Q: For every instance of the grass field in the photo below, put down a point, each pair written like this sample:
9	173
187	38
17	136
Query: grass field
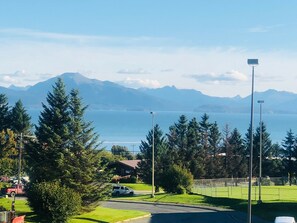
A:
271	207
284	203
268	193
100	214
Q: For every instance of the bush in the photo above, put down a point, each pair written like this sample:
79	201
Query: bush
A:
53	202
177	180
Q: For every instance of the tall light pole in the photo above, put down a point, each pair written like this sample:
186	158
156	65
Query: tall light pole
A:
260	153
20	159
252	63
153	157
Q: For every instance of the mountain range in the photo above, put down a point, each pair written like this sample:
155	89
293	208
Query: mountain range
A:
106	95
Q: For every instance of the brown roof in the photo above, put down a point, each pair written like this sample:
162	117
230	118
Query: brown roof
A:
131	163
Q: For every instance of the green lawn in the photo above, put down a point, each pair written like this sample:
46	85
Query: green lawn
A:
268	210
268	193
139	187
271	207
100	214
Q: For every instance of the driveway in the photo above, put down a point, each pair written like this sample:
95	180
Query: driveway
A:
174	213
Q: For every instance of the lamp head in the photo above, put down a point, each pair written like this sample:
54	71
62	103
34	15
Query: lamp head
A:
260	101
253	62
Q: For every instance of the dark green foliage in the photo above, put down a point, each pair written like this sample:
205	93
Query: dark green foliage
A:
214	161
177	180
8	153
194	154
161	158
66	149
289	151
235	163
53	202
4	112
19	119
122	152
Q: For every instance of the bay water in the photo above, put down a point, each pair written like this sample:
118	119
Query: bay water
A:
128	128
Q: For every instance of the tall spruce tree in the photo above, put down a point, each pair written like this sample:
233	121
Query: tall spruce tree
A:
4	112
267	151
177	140
46	155
238	163
83	169
214	161
160	156
66	149
289	145
19	119
194	156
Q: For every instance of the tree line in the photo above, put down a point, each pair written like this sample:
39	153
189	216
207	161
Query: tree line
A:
201	148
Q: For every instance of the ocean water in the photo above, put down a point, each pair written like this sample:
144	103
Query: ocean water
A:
128	128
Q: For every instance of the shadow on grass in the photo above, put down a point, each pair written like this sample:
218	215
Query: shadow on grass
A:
32	217
267	211
90	219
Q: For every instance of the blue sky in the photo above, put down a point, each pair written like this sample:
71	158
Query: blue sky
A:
195	44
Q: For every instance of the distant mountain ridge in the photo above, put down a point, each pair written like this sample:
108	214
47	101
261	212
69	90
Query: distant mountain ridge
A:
106	95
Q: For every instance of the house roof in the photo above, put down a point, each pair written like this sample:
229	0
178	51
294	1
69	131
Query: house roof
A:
131	163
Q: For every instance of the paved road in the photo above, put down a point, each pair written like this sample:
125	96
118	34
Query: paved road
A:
180	213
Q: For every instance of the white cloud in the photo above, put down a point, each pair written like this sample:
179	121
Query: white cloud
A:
133	71
230	76
263	29
138	83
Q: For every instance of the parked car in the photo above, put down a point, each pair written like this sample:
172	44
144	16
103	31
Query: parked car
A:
14	190
118	190
284	219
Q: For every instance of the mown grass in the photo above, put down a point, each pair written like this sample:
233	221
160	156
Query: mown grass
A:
139	186
99	214
267	210
268	193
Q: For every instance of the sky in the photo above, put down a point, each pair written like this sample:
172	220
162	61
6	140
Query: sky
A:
189	44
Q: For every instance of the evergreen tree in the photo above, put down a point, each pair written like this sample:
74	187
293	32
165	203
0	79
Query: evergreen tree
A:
194	156
19	119
227	151
66	149
274	166
289	145
160	156
267	151
214	166
177	140
46	155
238	163
204	131
122	152
83	169
4	112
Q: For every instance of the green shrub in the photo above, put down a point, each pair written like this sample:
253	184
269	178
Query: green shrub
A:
177	180
130	179
53	202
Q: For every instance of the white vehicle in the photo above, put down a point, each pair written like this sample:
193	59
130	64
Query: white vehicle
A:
284	219
118	190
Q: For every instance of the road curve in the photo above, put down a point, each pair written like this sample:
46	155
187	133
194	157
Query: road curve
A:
175	213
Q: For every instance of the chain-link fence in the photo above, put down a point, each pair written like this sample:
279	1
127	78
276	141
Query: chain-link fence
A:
271	188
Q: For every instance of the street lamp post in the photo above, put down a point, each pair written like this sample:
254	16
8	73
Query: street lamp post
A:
153	157
260	153
20	158
252	63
